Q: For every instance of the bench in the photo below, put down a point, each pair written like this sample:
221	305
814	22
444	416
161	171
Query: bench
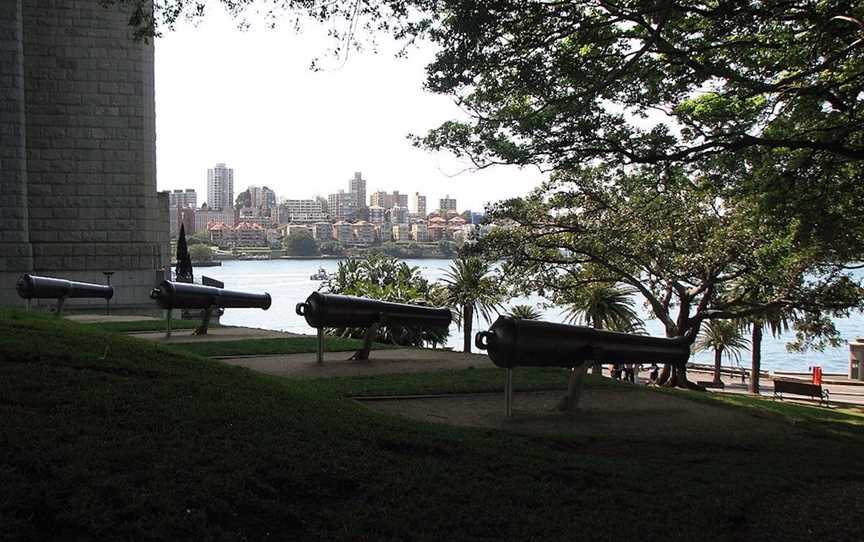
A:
799	387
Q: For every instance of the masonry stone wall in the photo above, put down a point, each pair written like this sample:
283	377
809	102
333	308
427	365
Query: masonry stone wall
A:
87	132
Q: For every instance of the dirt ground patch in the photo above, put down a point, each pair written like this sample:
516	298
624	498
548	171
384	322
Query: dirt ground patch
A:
624	412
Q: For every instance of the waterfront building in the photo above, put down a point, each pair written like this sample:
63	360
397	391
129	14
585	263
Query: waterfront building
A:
378	199
447	203
384	232
300	210
249	234
183	198
322	231
436	232
377	214
419	204
399	215
419	232
341	205
206	215
401	232
220	187
343	232
357	189
262	197
364	233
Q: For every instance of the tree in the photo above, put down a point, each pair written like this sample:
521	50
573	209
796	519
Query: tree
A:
301	243
469	289
681	242
201	253
183	272
387	279
333	248
723	337
524	312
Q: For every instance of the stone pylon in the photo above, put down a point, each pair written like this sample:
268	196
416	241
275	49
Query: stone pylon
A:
78	149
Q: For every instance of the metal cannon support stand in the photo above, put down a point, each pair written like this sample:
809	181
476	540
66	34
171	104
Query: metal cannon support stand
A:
320	345
368	338
61	301
205	321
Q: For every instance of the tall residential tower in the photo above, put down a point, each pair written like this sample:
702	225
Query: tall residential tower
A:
220	187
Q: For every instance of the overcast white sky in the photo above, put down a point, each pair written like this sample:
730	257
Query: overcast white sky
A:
249	99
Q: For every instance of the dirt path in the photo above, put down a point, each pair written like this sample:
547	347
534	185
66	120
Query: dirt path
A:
407	360
624	413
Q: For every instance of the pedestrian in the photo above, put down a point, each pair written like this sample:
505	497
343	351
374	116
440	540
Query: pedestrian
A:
654	374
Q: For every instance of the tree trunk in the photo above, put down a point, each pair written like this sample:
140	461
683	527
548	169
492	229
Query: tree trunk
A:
570	402
756	356
718	355
467	323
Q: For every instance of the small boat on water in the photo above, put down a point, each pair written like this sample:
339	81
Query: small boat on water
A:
321	274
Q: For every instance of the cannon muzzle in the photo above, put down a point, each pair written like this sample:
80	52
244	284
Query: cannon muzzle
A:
330	310
531	343
36	287
180	295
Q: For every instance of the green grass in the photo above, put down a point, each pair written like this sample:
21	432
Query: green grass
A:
110	437
144	325
264	347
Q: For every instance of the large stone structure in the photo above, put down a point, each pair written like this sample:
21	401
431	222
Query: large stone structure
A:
78	149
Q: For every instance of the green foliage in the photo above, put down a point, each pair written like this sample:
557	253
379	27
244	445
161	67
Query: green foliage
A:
301	243
724	337
692	250
387	279
602	306
524	312
471	291
201	253
332	248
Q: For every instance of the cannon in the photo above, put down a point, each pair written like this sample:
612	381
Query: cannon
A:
331	310
36	287
180	295
531	343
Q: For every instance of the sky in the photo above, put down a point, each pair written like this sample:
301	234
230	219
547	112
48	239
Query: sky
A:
249	99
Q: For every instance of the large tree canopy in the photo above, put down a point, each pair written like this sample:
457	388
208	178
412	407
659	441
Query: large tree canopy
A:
693	252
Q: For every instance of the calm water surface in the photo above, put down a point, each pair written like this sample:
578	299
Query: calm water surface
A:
288	283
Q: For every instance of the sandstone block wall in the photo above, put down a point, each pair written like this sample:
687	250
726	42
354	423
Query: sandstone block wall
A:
86	150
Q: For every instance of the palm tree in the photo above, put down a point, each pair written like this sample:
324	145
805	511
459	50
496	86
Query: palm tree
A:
605	306
524	312
723	337
468	289
776	323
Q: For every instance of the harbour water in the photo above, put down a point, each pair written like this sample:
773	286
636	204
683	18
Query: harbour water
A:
289	283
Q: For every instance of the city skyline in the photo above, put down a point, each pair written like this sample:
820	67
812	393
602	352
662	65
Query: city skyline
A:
304	133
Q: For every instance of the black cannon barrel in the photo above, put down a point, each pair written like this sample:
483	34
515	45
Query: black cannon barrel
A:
182	295
330	310
531	343
36	287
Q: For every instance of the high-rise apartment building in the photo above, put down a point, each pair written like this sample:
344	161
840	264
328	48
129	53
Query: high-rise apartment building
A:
300	210
447	203
262	197
183	198
357	188
388	201
419	204
341	205
220	187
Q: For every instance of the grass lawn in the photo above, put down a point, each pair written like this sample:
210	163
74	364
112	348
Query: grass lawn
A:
144	325
110	437
263	347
